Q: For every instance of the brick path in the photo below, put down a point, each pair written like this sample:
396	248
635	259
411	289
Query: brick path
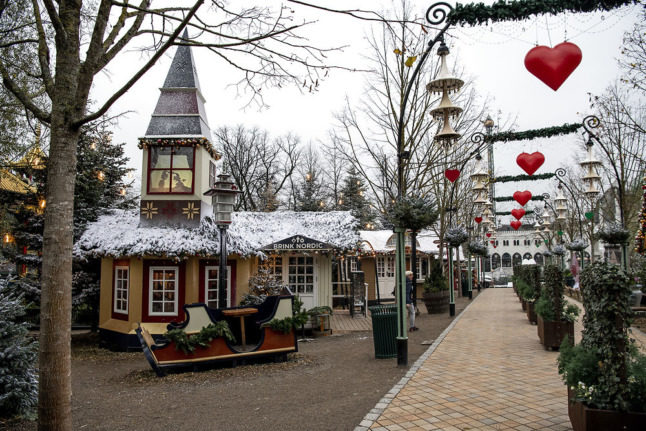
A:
488	372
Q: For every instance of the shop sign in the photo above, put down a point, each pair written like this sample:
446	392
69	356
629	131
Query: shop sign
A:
298	243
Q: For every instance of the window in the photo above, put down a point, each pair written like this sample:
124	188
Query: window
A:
170	169
353	264
537	242
516	242
211	175
121	280
495	260
211	279
538	258
275	266
527	256
517	259
505	242
527	242
163	290
506	260
301	274
381	267
390	266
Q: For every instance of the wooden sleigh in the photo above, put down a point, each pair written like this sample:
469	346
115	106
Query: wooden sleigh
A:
257	339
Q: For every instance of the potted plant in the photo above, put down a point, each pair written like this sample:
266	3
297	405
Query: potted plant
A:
529	287
578	244
614	234
456	236
605	373
436	290
555	319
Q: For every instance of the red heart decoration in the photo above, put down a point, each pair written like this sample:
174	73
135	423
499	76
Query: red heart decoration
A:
488	234
478	219
530	162
515	224
452	174
522	197
493	242
518	213
553	65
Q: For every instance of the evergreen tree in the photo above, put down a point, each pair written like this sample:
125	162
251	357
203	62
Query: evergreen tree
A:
309	194
18	378
353	198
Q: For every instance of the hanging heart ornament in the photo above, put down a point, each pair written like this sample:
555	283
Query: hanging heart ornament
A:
488	234
553	65
518	213
589	215
493	242
522	197
515	224
478	219
530	162
452	174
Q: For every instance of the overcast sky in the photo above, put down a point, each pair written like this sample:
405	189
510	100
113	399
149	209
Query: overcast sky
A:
493	55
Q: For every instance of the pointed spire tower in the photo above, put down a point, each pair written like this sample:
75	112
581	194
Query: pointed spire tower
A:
179	158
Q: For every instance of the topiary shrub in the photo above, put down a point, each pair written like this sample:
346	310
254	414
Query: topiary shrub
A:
18	353
551	305
528	281
605	370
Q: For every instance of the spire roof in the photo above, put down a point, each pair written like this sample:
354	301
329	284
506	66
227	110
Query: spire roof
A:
180	108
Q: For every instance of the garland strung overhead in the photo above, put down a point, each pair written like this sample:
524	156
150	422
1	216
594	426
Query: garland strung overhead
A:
511	198
510	178
516	10
546	132
506	213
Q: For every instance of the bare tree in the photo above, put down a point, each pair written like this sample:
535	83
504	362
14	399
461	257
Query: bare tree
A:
69	42
335	166
260	166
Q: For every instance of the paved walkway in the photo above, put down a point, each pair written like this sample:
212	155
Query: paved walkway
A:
487	372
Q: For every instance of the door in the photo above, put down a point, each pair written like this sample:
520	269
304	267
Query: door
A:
211	286
302	280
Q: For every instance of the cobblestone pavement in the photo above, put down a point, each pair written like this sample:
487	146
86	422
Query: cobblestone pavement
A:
488	372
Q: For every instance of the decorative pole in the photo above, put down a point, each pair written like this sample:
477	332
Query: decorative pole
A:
436	14
470	276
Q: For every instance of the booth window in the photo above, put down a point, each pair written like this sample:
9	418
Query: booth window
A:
170	169
211	274
301	274
163	290
121	281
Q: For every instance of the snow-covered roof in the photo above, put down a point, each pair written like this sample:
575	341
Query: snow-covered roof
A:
118	234
378	239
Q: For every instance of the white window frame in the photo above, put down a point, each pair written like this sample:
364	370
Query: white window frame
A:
294	287
353	263
150	291
381	266
390	266
206	284
118	288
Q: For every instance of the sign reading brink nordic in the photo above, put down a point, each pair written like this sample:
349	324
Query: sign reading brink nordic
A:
298	243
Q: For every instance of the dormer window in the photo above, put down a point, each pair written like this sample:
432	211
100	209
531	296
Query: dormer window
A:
171	170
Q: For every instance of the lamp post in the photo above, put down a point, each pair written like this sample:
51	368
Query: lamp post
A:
592	180
592	122
224	194
436	14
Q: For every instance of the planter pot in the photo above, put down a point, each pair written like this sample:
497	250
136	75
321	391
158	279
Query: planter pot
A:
552	334
531	314
636	298
584	418
524	304
436	302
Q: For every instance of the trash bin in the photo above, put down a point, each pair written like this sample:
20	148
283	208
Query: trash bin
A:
384	330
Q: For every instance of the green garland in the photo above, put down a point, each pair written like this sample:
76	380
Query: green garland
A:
546	132
187	344
511	198
505	213
516	10
514	178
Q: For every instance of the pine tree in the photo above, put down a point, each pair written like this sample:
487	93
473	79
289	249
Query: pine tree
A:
353	198
640	239
18	353
309	194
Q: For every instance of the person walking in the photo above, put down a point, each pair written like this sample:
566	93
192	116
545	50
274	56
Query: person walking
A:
409	301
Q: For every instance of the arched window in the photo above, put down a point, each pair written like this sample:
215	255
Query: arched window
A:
538	258
517	259
487	265
506	260
527	256
495	260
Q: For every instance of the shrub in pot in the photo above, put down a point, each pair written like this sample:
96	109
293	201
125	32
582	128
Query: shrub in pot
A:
436	290
605	373
529	277
555	318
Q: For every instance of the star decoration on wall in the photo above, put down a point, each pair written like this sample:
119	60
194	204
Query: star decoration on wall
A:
190	211
149	211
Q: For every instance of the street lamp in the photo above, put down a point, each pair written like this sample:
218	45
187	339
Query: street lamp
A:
592	179
436	14
223	195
